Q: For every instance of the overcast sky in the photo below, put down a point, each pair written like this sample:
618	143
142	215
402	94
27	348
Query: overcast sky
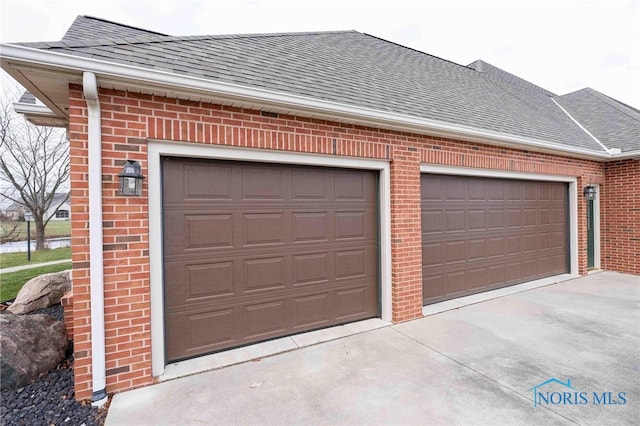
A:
561	45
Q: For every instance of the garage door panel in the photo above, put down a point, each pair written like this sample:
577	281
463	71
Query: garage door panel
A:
433	286
496	219
263	228
353	186
456	282
530	191
264	319
350	264
432	221
530	217
476	278
516	232
558	240
311	226
495	275
455	251
264	274
198	183
432	253
201	325
353	302
476	249
476	219
187	331
455	221
514	245
312	310
289	249
263	184
350	225
208	231
495	247
312	269
201	285
305	185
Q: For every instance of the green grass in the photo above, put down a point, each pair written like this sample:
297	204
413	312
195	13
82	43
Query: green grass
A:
54	229
10	284
9	260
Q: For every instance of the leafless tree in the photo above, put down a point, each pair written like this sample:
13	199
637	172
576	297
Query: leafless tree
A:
9	231
34	164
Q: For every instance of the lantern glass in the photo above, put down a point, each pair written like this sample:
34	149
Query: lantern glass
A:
131	179
590	193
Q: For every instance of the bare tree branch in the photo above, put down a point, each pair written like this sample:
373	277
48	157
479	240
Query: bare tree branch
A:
34	165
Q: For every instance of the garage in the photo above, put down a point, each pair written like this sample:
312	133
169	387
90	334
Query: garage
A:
256	251
481	233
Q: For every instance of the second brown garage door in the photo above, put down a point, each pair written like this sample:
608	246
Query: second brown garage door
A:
481	233
257	251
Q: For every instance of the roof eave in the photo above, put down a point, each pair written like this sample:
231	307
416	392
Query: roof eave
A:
174	85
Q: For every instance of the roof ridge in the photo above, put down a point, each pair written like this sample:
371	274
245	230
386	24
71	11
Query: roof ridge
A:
161	38
510	75
614	103
416	50
123	25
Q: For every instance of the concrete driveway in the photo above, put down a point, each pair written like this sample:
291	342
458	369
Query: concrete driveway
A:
473	365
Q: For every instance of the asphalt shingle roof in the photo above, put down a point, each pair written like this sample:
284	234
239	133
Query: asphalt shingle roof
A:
613	123
347	67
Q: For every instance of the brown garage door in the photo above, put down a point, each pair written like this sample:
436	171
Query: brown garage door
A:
256	251
480	234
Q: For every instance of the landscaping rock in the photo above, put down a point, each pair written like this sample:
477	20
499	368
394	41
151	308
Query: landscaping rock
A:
29	346
41	292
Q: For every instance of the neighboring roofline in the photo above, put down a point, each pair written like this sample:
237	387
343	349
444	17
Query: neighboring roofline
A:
33	109
613	103
263	98
34	113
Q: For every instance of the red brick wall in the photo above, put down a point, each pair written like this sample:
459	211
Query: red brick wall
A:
620	221
406	238
128	120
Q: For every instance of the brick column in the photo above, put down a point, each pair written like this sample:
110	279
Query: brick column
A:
406	242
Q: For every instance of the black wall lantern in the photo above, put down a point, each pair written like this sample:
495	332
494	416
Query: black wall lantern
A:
131	179
589	192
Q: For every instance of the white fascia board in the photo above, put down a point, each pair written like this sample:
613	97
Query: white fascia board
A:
264	97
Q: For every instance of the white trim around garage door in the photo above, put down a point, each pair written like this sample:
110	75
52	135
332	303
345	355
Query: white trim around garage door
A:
573	196
157	149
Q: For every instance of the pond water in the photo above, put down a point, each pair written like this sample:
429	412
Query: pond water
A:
19	246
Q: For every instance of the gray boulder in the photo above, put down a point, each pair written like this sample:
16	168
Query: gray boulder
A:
41	292
29	346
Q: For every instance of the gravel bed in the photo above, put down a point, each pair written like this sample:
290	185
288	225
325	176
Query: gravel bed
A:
49	400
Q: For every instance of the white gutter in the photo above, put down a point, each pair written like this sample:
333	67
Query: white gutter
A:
98	363
195	85
635	155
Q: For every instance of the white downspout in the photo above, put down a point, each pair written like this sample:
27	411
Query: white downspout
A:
98	363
